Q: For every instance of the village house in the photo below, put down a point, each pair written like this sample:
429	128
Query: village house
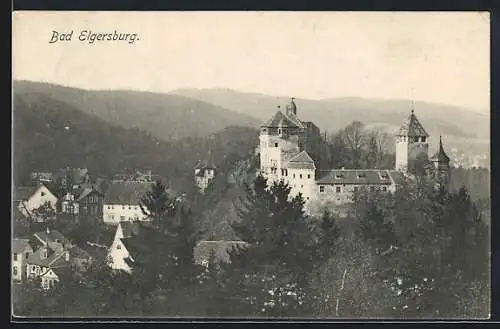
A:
118	252
54	255
284	145
28	199
122	202
204	172
21	251
138	176
41	177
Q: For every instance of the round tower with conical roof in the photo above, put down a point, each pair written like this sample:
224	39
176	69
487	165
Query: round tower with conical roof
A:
411	142
441	163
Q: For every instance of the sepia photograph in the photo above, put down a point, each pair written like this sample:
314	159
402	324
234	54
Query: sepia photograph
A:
247	165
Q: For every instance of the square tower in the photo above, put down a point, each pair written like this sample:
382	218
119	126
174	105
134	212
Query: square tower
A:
411	143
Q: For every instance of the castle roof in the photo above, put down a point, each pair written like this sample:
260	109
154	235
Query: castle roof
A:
441	156
359	177
280	119
301	161
412	127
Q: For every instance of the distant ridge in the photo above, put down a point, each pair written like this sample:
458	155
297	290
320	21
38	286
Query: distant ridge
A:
165	116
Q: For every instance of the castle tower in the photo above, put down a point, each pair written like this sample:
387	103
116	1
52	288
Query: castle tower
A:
279	141
411	143
441	163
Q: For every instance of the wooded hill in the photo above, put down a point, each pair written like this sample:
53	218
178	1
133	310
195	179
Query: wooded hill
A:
49	134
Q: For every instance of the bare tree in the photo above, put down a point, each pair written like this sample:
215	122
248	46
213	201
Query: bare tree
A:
355	138
379	142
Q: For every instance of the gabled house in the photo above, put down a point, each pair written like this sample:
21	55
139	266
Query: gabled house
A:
204	172
90	203
54	255
28	199
122	202
118	252
47	264
21	251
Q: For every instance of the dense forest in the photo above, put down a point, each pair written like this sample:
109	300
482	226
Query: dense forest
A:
420	253
49	134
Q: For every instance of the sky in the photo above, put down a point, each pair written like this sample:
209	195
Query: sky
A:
427	56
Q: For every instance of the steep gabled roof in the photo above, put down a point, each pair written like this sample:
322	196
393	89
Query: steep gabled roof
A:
126	193
19	245
280	119
412	127
440	155
301	161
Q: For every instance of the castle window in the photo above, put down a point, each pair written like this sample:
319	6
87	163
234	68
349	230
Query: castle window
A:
423	139
308	176
355	189
337	189
293	175
321	188
300	176
275	144
384	188
301	186
118	247
15	257
279	131
286	172
42	193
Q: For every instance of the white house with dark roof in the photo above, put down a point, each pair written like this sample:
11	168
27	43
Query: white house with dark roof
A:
284	141
21	251
28	199
121	202
204	172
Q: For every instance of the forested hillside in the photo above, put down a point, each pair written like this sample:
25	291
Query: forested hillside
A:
50	134
164	116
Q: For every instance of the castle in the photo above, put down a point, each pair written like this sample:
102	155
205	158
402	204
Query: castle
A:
285	143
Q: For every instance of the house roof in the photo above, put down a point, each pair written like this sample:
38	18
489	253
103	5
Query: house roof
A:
355	176
53	237
280	120
440	155
412	127
203	250
301	161
47	176
24	193
19	245
204	165
37	259
126	193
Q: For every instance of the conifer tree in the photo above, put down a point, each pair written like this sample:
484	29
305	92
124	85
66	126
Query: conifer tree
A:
272	271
